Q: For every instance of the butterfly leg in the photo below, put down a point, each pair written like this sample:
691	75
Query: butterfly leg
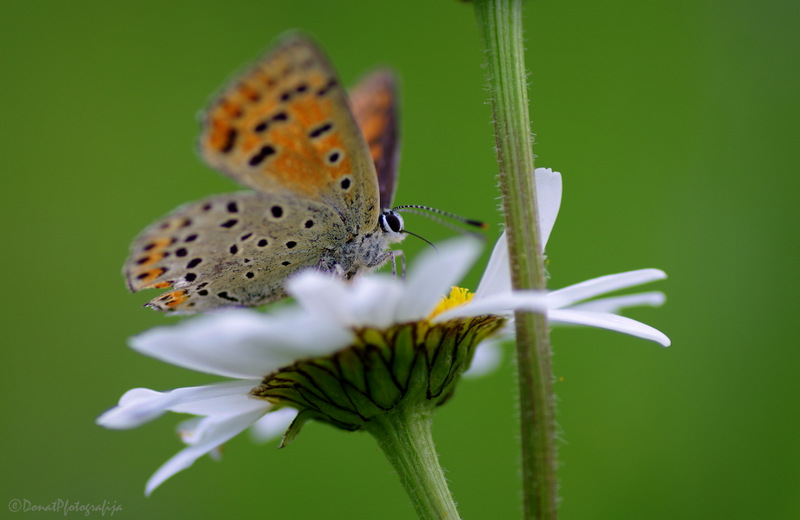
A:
395	254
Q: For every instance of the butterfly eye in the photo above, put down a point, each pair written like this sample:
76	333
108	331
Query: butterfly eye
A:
391	222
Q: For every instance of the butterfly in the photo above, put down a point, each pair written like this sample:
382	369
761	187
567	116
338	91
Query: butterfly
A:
322	167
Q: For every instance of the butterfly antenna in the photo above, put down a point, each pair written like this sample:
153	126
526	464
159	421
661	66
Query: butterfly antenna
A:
448	225
467	221
407	232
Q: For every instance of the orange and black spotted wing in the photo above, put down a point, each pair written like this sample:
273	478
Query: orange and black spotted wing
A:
286	125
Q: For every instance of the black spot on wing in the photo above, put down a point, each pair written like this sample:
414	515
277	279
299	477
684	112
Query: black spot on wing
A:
327	88
320	130
229	223
230	141
225	296
261	155
334	157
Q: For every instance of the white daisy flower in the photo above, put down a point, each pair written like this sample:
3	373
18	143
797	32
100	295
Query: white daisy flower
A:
340	333
348	353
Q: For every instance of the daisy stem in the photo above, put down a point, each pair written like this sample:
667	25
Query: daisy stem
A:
500	24
404	436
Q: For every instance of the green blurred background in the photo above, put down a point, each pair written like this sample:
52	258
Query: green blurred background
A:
674	125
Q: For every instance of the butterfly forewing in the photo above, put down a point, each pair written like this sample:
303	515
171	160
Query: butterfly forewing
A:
285	125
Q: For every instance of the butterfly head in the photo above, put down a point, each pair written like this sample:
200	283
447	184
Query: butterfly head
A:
391	224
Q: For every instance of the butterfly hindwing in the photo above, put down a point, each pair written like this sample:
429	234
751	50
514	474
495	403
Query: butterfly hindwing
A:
234	249
374	102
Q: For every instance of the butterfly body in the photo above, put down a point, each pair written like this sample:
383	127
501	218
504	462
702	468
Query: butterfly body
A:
286	130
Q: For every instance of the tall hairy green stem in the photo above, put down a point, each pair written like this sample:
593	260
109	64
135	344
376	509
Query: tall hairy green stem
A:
500	23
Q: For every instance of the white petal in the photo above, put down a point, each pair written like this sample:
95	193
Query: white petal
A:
321	294
216	453
610	322
615	304
306	335
273	425
211	343
548	199
497	277
241	343
214	434
187	430
487	358
238	403
499	304
198	429
366	301
433	275
604	284
135	408
142	405
375	300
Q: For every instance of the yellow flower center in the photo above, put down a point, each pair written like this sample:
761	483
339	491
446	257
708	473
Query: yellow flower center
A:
458	296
